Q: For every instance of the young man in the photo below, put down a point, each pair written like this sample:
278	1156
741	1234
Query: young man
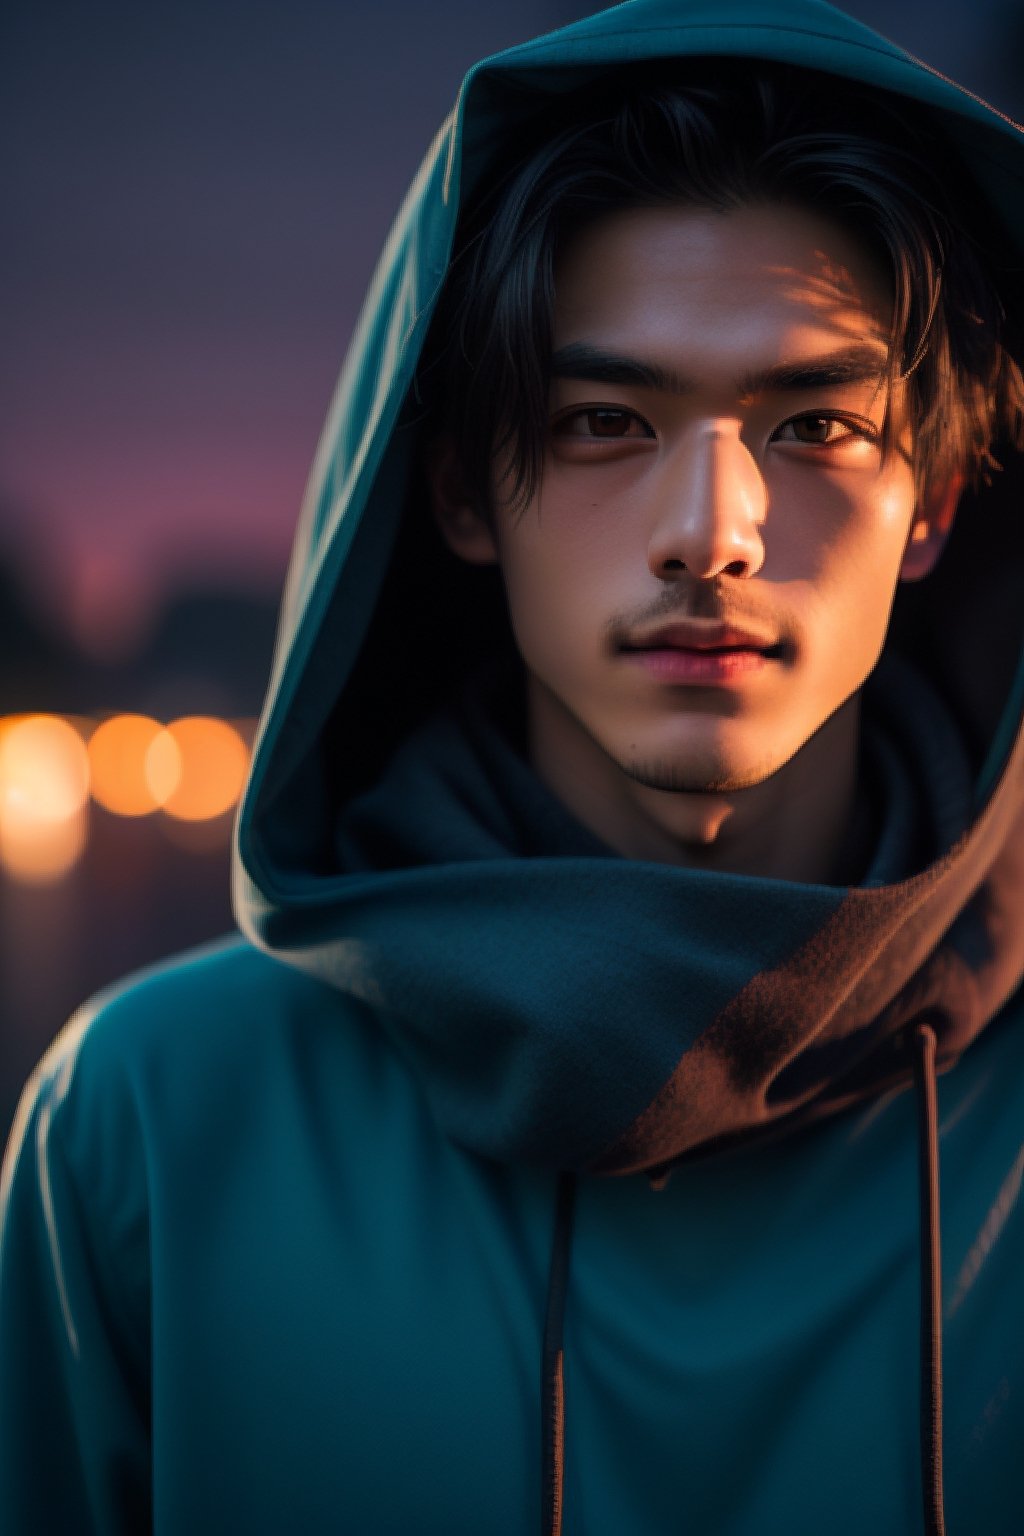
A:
612	815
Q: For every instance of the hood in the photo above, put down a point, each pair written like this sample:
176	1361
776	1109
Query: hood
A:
561	1005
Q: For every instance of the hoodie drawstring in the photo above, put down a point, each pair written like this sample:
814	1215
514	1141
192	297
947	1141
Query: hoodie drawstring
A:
552	1393
552	1383
931	1280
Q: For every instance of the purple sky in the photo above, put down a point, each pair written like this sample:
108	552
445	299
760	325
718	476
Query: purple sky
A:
194	198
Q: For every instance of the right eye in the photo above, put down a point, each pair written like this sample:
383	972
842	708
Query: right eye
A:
601	421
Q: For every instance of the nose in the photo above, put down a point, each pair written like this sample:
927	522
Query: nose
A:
712	506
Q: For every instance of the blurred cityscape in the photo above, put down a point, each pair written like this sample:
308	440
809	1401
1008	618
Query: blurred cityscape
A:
119	778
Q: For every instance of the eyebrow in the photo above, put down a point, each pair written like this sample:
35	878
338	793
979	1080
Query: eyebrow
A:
857	364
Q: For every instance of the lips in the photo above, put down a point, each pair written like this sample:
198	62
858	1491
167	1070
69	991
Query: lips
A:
703	653
705	636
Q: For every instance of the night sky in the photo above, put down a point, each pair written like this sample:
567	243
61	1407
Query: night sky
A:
194	196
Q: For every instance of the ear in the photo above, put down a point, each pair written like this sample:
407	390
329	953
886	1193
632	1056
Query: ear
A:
933	520
464	529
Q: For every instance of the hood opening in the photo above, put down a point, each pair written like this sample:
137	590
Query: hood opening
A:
437	618
789	993
401	631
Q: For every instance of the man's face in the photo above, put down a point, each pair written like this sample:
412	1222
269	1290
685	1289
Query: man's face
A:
707	571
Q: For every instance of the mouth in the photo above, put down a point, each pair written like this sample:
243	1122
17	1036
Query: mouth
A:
702	653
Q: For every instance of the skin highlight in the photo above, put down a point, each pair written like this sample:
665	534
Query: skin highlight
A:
714	461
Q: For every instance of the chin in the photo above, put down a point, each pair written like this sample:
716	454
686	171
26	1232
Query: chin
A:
687	777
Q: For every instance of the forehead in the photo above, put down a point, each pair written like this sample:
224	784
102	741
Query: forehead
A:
719	288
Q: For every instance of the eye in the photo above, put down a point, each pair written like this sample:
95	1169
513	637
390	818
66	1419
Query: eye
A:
820	431
601	421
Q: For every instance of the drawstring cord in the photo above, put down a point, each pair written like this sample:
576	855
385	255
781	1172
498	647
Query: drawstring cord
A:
552	1381
552	1389
931	1280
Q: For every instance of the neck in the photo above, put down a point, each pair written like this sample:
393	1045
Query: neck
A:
809	821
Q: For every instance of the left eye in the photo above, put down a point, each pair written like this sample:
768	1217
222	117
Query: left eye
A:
819	431
602	421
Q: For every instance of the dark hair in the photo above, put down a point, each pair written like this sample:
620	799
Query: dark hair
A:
739	133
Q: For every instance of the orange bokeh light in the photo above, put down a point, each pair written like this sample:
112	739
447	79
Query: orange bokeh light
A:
44	789
118	755
162	766
214	763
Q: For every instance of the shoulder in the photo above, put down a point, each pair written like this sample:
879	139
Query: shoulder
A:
171	1044
198	996
197	1004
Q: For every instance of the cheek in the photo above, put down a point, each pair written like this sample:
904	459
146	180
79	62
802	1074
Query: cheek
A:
841	533
833	558
539	588
562	563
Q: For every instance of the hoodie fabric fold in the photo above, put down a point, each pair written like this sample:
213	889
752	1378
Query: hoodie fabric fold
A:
572	1028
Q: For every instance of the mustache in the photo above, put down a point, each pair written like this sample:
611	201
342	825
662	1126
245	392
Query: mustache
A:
707	601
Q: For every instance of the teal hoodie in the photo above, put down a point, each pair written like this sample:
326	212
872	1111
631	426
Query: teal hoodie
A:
360	1221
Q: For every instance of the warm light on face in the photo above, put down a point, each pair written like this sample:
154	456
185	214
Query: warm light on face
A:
44	789
714	455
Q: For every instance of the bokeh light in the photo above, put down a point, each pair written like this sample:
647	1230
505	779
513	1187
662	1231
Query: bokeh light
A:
44	790
119	756
214	764
162	766
194	769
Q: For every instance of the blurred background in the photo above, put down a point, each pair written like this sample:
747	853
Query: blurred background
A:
193	197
